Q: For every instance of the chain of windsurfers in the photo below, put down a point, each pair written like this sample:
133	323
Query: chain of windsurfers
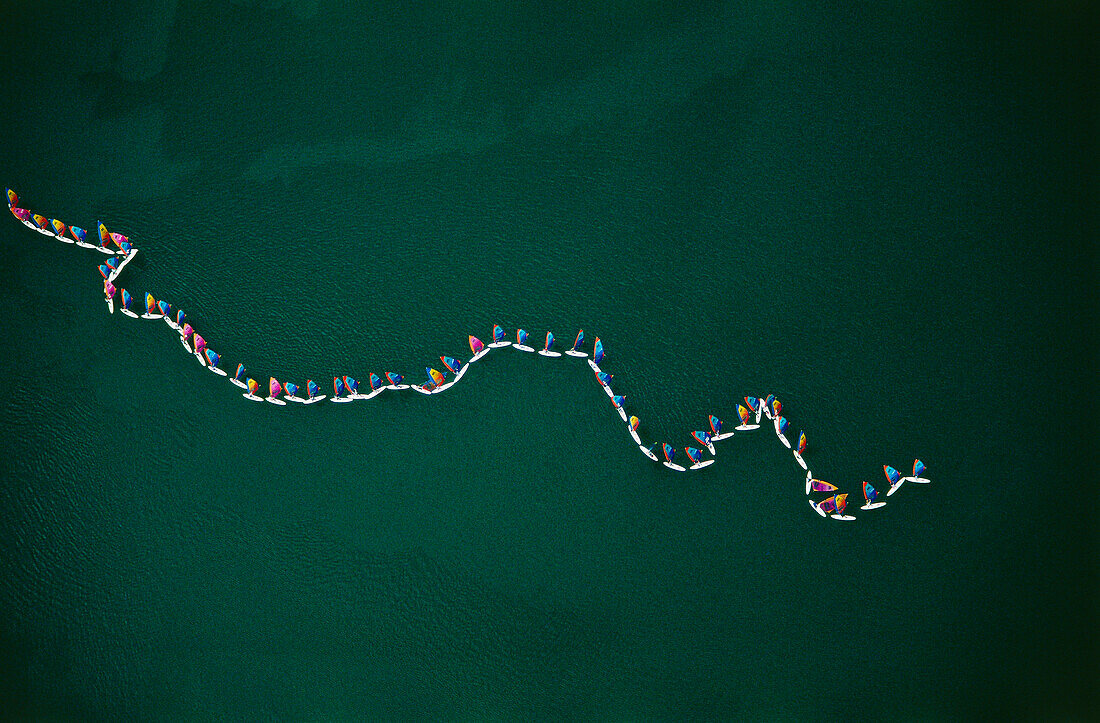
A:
346	389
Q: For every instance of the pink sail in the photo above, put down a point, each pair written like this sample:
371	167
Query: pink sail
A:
274	389
119	239
200	343
188	330
109	289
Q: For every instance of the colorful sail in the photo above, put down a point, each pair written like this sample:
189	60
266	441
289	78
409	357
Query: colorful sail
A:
394	378
743	413
604	377
777	406
618	400
498	333
126	299
549	340
180	317
918	468
452	364
311	388
476	345
13	200
701	437
104	236
253	386
104	271
21	213
869	492
109	289
891	474
801	442
188	330
41	221
119	239
240	372
715	425
521	337
200	343
634	423
578	341
291	389
818	485
351	384
840	501
126	248
165	308
769	400
436	377
58	227
338	385
696	455
375	381
670	453
112	262
828	505
212	357
597	351
150	304
274	389
78	233
783	424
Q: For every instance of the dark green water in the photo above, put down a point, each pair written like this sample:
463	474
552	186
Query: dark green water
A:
881	214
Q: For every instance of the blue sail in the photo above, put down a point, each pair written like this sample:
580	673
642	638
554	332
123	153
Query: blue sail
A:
180	318
312	388
918	468
783	425
670	453
498	333
351	384
394	378
597	351
240	372
696	455
605	378
126	299
578	341
618	400
165	308
291	389
375	381
521	336
715	425
212	357
338	385
549	340
701	437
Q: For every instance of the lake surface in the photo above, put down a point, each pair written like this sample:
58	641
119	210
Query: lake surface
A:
877	213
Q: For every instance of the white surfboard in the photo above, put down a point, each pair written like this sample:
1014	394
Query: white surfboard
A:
522	347
798	458
152	316
808	483
759	410
252	397
171	324
105	250
608	390
85	244
646	451
401	386
873	505
594	365
723	435
273	400
622	412
895	488
785	441
314	400
341	400
499	344
478	356
186	345
845	518
817	509
42	231
200	357
291	398
132	315
125	260
422	390
544	352
375	393
239	383
746	427
219	372
574	352
442	388
461	371
701	465
916	480
62	237
634	436
677	467
111	305
710	446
